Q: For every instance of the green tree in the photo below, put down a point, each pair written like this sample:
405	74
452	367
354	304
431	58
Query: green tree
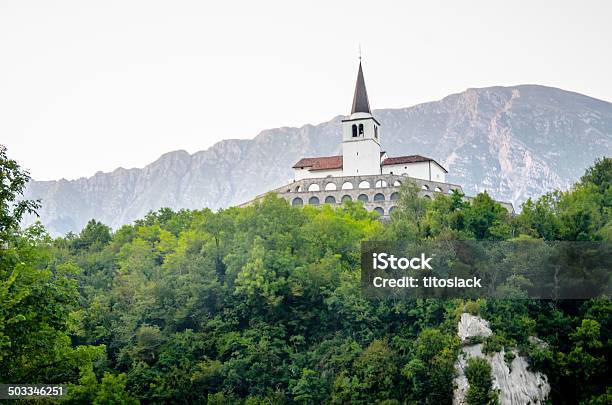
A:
110	390
37	296
600	174
410	213
13	180
309	388
487	219
431	371
540	218
480	389
95	235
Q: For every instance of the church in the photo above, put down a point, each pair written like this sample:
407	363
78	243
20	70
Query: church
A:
363	172
361	154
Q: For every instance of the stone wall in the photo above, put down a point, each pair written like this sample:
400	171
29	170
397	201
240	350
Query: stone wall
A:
378	192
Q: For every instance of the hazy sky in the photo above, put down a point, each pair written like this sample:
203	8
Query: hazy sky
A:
94	85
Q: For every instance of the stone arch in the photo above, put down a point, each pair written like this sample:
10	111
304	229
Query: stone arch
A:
379	211
298	189
330	186
438	189
425	187
394	196
363	198
297	202
314	187
346	198
313	200
347	185
426	196
379	197
380	183
364	184
397	183
330	199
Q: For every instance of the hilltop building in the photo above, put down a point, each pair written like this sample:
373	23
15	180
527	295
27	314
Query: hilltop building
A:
361	153
363	172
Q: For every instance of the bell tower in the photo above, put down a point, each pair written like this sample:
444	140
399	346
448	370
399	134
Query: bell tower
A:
360	135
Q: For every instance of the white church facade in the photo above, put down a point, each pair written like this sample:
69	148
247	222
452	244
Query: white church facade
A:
363	172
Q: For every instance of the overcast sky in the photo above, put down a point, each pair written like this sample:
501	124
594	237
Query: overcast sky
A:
94	85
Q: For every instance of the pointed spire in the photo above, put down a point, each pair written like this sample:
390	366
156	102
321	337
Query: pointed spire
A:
360	99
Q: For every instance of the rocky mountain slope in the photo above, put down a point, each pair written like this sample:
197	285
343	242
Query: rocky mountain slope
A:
514	142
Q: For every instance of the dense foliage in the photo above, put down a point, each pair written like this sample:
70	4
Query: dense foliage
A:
263	305
480	390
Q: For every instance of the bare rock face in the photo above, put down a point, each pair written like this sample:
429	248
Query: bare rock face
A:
516	385
514	142
472	326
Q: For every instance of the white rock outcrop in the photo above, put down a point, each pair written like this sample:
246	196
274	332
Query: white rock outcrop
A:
472	326
516	385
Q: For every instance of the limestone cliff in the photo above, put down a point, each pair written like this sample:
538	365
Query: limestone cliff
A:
516	385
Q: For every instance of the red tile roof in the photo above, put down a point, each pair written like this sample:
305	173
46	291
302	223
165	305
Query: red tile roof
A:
320	163
335	162
398	160
405	159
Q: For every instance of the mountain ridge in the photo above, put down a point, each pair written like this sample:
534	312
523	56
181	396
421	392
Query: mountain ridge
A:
513	141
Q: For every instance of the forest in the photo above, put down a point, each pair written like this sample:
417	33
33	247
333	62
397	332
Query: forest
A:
262	305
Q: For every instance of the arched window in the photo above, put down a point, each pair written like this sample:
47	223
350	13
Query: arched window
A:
363	198
364	184
354	130
330	186
397	183
313	201
298	189
379	197
313	187
392	209
346	198
379	211
427	197
330	199
394	196
360	129
297	202
425	187
347	185
380	183
438	189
